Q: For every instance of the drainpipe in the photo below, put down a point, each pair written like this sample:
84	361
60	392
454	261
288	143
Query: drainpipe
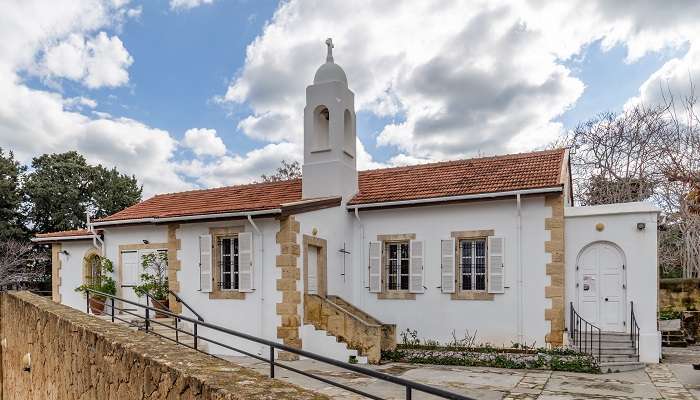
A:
262	279
521	317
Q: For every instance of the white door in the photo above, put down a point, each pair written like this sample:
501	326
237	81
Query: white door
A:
312	260
131	271
601	286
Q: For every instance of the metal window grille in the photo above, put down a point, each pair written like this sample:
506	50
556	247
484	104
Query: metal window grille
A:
397	270
228	263
473	264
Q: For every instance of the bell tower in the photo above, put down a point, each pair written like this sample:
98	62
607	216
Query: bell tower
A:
330	164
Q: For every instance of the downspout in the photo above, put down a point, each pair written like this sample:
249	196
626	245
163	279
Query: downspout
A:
95	237
262	279
521	317
362	253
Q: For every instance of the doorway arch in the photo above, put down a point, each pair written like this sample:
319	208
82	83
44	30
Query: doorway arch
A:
601	285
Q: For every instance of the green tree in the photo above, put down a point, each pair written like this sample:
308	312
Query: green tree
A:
112	191
11	220
62	187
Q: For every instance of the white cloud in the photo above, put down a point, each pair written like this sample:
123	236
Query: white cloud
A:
69	41
238	169
204	142
187	4
97	61
478	79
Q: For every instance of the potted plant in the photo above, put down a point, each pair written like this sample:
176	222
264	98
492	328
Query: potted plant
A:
102	282
154	281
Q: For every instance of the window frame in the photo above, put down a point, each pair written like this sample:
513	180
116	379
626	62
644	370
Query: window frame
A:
234	269
386	278
474	274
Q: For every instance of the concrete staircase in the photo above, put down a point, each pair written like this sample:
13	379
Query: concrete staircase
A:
617	352
347	324
321	342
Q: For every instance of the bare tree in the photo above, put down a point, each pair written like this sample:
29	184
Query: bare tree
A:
615	157
20	263
288	170
681	195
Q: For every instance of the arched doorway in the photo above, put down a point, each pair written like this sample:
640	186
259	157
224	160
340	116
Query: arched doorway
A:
601	286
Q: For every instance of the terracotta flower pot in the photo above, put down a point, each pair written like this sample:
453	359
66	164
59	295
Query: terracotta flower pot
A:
97	305
161	305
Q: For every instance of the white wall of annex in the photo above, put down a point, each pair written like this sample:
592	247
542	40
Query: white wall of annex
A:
640	252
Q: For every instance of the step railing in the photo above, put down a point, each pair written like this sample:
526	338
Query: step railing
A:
584	336
109	300
634	330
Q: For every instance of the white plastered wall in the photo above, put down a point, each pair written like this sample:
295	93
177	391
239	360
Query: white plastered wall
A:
433	313
71	272
639	247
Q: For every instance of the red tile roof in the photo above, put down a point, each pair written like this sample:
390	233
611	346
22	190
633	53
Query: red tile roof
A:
252	197
77	232
534	170
451	178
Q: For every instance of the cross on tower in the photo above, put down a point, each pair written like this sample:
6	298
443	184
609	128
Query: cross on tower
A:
329	43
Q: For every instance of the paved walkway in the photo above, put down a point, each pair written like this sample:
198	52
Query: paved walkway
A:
662	381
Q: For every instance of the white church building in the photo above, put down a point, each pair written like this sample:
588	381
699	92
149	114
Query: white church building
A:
341	261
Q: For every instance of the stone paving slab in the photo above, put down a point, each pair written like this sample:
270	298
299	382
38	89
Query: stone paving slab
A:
659	381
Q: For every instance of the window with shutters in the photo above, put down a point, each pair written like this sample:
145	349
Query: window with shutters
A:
471	275
397	265
396	269
472	264
229	263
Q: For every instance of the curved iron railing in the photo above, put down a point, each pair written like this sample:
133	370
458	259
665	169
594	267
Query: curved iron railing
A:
109	301
584	336
634	330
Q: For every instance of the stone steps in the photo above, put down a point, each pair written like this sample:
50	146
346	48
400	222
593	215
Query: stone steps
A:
673	339
619	366
616	353
321	342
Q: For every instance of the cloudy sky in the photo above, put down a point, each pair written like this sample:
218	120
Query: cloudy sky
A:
203	93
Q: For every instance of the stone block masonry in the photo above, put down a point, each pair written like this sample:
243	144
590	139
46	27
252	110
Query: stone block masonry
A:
287	285
78	356
555	270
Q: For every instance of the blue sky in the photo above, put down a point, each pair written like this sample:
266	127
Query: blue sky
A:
122	81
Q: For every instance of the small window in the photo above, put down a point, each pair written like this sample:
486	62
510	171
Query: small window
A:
93	270
397	265
228	260
321	136
472	263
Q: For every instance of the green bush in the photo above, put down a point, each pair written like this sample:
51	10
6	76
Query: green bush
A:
104	282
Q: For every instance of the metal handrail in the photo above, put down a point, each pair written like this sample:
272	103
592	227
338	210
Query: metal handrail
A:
177	298
187	306
634	330
584	338
410	386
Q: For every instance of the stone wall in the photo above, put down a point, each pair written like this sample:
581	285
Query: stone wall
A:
78	356
679	294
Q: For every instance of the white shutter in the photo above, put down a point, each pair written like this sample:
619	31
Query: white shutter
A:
415	266
375	267
245	262
447	265
496	253
205	273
